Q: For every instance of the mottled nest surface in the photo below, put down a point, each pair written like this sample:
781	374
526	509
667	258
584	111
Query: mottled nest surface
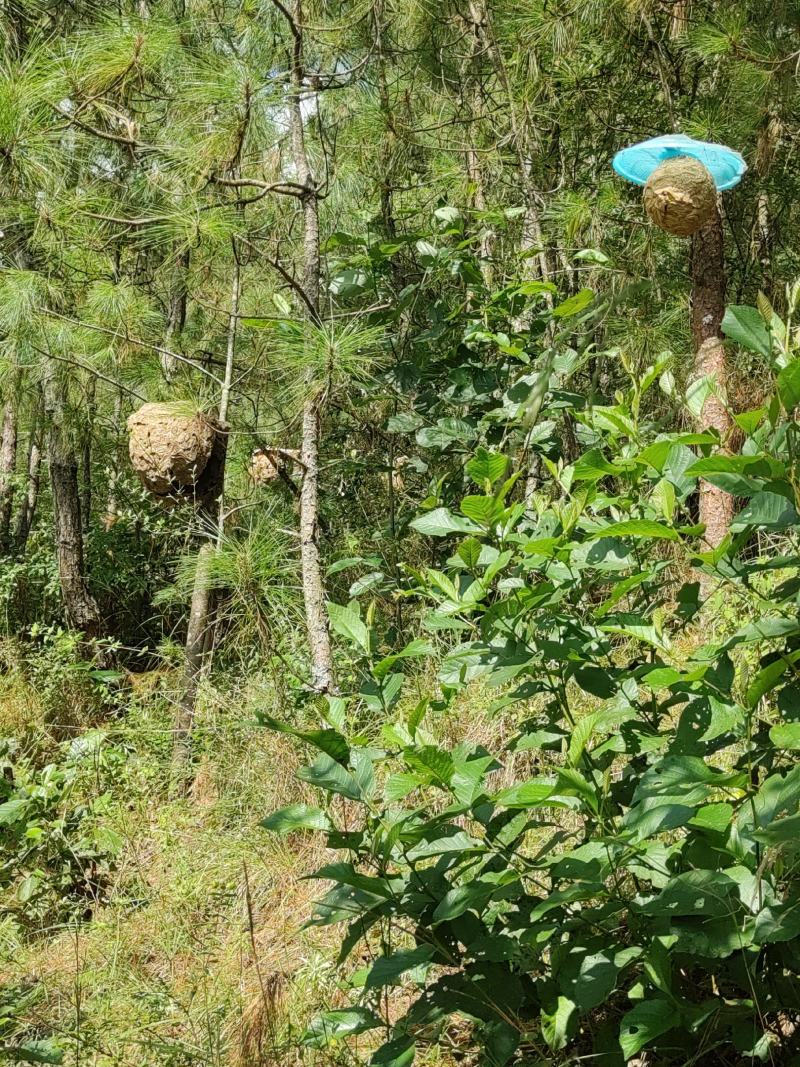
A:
170	447
680	196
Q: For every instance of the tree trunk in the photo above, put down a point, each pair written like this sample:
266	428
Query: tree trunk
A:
86	457
29	501
199	616
8	463
112	504
199	633
322	676
708	308
80	606
177	314
319	640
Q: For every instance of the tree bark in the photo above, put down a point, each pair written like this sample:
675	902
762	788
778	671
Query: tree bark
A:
8	463
86	457
177	314
80	607
708	308
199	618
199	633
31	497
319	640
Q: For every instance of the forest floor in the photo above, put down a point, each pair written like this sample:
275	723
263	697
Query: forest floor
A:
193	952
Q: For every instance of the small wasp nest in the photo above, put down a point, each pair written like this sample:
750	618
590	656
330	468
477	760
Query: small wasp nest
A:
170	447
680	196
266	464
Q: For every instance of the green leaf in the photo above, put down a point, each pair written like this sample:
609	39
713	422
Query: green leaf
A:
769	676
770	511
472	896
487	466
532	794
469	552
648	528
343	1022
386	970
592	466
347	622
441	522
789	386
45	1051
485	510
331	776
786	735
296	817
740	475
415	649
644	1023
700	892
574	304
396	1053
744	325
500	1042
14	810
436	764
556	1025
329	741
781	832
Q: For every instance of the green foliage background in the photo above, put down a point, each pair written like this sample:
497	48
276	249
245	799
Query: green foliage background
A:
556	794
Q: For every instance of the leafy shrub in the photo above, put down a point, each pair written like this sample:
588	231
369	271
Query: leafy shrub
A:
55	850
638	888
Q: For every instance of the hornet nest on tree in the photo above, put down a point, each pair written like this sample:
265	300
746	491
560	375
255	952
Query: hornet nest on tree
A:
177	451
267	464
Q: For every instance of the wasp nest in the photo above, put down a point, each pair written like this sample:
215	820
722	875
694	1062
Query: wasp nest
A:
172	448
267	464
680	196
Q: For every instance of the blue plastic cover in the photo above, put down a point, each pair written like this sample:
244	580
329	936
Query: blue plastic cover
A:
637	162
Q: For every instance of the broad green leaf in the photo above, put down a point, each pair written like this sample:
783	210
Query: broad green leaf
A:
769	676
786	735
782	832
399	1052
644	1023
473	895
574	304
485	510
469	552
347	622
432	762
441	522
45	1051
487	466
639	528
744	325
592	466
296	817
556	1025
700	892
329	741
386	970
500	1042
766	510
789	386
415	649
342	1022
329	775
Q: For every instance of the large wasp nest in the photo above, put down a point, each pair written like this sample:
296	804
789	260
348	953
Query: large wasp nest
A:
267	464
177	451
680	196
